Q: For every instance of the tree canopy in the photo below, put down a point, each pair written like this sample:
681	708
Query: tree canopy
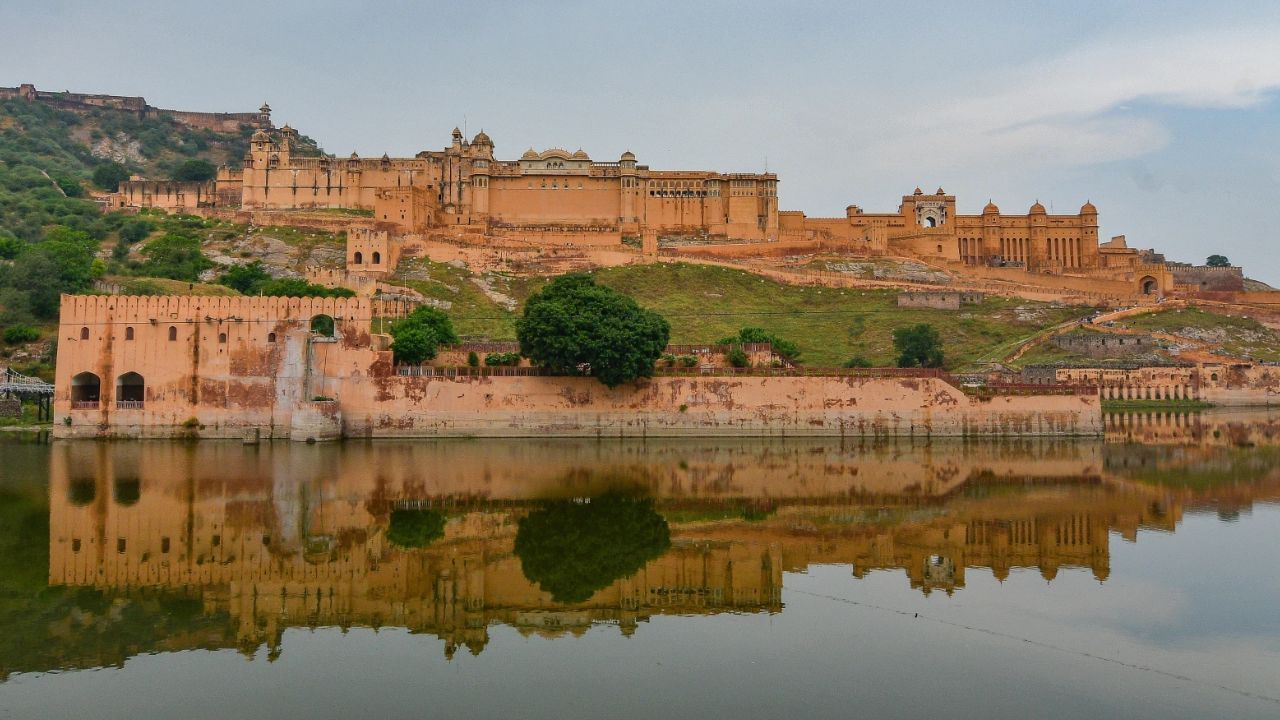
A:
247	279
785	348
573	549
417	337
1217	261
297	287
195	170
109	175
175	256
575	325
918	346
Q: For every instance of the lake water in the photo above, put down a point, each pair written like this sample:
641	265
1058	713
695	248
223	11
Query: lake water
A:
1132	577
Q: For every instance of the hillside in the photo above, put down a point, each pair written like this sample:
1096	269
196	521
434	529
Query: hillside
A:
706	303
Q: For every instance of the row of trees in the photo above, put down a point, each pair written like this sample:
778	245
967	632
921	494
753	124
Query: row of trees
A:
576	326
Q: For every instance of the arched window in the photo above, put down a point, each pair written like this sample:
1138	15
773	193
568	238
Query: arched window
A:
222	337
84	333
377	257
271	337
86	389
173	333
322	325
130	390
359	258
128	333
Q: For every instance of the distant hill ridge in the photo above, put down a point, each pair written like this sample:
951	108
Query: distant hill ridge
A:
215	121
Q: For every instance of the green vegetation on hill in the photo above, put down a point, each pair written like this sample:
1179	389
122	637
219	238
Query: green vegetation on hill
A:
1235	336
706	303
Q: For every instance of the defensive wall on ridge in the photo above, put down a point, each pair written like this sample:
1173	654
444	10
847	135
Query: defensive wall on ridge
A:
226	367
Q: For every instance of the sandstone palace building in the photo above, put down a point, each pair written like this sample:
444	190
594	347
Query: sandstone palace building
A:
464	192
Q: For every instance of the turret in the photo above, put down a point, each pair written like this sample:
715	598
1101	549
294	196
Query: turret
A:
457	138
264	116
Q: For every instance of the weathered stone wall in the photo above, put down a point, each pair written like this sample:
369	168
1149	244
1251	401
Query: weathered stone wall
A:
1101	344
1203	278
216	367
938	300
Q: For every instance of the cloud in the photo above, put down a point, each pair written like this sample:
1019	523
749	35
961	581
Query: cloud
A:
1089	104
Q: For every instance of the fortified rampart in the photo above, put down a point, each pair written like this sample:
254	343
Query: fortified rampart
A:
267	367
216	121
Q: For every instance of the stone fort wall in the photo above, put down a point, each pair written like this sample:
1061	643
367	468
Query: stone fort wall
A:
221	367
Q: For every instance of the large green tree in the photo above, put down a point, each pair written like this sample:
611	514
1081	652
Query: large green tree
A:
416	338
575	325
1217	261
918	346
109	175
573	549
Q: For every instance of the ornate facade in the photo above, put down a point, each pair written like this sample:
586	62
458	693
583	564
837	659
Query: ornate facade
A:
464	184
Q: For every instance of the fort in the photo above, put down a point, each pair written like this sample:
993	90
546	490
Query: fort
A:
216	121
464	193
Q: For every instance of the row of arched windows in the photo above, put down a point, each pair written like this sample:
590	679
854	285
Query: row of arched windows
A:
377	258
86	391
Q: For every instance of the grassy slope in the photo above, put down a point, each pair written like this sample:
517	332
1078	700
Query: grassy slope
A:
1235	336
704	304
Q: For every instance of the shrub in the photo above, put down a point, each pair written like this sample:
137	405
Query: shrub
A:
21	334
669	360
857	361
688	361
503	358
473	359
296	287
738	358
134	230
785	348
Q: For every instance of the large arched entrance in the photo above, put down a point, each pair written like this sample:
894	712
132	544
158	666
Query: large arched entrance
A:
322	325
1149	286
86	390
130	391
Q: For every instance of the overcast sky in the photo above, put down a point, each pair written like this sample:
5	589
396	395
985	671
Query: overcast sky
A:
1163	114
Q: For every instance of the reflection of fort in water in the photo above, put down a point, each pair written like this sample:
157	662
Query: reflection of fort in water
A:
282	536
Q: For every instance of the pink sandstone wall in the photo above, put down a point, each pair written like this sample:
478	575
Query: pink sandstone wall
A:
218	367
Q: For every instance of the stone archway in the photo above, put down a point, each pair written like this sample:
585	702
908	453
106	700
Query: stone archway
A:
1149	285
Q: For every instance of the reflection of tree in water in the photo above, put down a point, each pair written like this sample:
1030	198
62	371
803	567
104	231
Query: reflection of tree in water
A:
415	528
572	549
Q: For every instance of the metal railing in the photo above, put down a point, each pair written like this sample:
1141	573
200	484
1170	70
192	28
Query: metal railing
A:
85	405
129	404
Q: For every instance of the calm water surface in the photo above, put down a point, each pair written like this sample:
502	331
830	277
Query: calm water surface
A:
1133	577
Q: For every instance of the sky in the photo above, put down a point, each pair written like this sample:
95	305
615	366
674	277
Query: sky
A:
1166	115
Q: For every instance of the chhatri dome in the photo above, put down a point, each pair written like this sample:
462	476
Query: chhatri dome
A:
990	208
529	154
1088	208
482	138
1037	209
